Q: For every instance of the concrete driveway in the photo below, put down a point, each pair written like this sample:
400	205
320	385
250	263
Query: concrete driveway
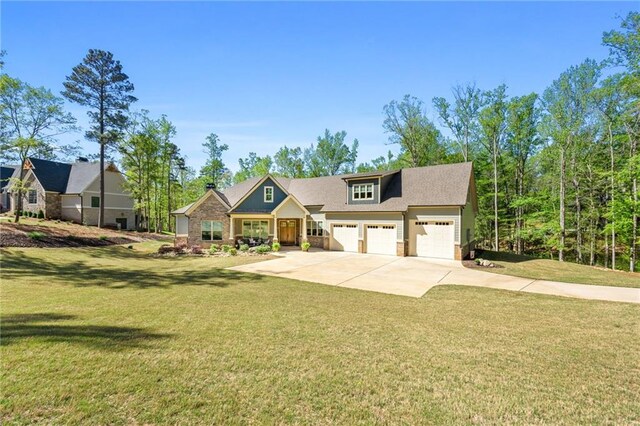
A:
413	276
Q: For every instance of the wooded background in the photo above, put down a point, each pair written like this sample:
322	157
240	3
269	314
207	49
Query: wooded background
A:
557	172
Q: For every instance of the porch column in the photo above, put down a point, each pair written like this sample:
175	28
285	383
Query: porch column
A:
304	228
275	228
232	233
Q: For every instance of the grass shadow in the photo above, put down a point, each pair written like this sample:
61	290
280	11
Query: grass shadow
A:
503	257
18	266
39	327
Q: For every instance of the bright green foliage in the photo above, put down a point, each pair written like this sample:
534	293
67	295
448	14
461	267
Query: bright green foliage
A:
253	166
288	162
331	155
214	169
30	118
408	126
461	118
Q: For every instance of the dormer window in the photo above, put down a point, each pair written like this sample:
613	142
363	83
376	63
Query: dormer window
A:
363	191
268	194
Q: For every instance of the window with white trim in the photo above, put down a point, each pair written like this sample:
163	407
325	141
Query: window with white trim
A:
363	191
268	194
255	229
32	196
211	230
315	228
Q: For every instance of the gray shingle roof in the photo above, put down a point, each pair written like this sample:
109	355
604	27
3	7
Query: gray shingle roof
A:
183	210
442	185
236	192
63	177
379	173
81	175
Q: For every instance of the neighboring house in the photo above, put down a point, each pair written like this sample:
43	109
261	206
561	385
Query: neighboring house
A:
72	192
423	211
5	174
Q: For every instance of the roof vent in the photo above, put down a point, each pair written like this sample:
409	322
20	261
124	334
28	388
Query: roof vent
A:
83	160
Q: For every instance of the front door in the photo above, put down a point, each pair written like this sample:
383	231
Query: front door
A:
287	232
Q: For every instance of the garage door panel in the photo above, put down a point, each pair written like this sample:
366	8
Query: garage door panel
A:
344	237
433	239
381	239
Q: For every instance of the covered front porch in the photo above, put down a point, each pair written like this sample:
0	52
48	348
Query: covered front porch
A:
286	224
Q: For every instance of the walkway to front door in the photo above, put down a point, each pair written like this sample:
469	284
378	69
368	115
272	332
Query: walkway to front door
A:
287	231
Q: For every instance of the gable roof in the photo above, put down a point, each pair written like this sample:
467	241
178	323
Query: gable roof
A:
81	176
53	176
186	210
5	174
441	185
64	178
255	186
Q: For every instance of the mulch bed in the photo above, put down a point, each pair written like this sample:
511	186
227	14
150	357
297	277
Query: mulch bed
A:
471	264
16	235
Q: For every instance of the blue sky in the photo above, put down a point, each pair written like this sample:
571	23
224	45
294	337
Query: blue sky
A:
262	75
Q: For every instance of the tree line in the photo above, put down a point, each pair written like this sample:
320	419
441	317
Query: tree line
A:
556	172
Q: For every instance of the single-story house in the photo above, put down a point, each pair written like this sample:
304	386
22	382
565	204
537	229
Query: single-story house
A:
423	211
72	192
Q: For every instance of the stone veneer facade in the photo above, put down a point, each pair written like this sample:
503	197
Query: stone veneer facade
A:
319	242
209	209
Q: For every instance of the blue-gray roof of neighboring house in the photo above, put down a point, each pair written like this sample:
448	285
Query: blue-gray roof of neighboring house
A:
63	177
5	174
53	176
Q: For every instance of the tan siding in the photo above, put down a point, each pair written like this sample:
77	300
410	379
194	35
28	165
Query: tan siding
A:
115	194
367	218
71	208
437	213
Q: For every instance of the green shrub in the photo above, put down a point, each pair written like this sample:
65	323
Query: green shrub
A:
244	247
275	246
18	212
40	214
35	235
262	249
305	246
226	248
103	237
233	251
214	248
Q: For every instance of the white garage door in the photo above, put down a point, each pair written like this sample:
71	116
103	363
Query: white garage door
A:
344	237
381	239
433	239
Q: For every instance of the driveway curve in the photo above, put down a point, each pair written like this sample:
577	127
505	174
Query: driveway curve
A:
413	276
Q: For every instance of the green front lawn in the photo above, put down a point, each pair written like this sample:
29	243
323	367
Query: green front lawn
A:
552	270
113	336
